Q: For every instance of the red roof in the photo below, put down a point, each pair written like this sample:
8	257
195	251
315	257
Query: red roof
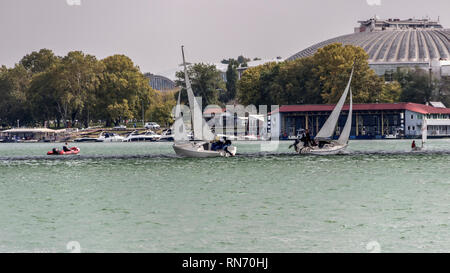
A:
213	110
414	107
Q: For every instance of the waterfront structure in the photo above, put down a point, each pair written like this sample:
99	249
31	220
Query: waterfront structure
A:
395	43
242	125
374	120
159	82
30	134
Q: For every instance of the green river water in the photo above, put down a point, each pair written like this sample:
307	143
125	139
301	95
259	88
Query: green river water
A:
139	197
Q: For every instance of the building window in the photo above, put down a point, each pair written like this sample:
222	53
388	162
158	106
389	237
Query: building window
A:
412	116
414	128
409	128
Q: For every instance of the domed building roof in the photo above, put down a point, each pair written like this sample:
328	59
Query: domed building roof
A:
394	46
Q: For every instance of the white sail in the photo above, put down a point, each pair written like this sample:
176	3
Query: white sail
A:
424	130
345	135
201	129
180	135
327	130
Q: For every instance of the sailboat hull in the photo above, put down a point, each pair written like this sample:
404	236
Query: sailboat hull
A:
327	150
197	150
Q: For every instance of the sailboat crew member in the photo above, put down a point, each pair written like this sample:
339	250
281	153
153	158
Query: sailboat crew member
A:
226	145
217	144
296	142
308	139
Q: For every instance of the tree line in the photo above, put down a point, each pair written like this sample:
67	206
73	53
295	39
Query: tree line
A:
319	79
76	89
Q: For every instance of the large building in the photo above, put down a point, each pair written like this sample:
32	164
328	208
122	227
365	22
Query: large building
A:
159	82
377	120
395	43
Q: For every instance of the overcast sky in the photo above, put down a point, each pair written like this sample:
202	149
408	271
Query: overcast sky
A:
151	31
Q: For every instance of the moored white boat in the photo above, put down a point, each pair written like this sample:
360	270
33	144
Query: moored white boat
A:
109	137
140	137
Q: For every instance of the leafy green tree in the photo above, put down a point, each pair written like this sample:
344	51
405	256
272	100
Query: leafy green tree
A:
279	83
444	90
295	84
313	80
119	111
122	81
42	99
416	84
161	109
14	83
332	66
242	61
73	81
248	87
40	61
77	86
205	80
391	92
232	78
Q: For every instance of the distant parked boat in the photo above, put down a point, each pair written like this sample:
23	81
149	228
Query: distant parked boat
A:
109	137
167	135
85	139
139	137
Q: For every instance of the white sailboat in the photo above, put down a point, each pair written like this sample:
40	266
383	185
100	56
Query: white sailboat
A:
424	135
201	146
424	132
324	139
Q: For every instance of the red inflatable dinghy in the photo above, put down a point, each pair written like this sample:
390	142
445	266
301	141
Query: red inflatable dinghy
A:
73	151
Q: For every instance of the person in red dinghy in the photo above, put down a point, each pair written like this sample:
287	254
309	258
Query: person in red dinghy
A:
66	148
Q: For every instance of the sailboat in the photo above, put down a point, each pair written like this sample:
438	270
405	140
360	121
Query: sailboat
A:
324	139
201	146
424	135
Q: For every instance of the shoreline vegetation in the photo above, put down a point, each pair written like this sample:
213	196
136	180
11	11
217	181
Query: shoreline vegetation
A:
44	90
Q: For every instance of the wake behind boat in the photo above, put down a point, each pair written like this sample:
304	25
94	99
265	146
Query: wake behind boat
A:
206	145
323	143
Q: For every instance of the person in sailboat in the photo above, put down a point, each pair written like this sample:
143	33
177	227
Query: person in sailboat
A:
227	144
296	142
300	138
217	144
306	139
309	141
